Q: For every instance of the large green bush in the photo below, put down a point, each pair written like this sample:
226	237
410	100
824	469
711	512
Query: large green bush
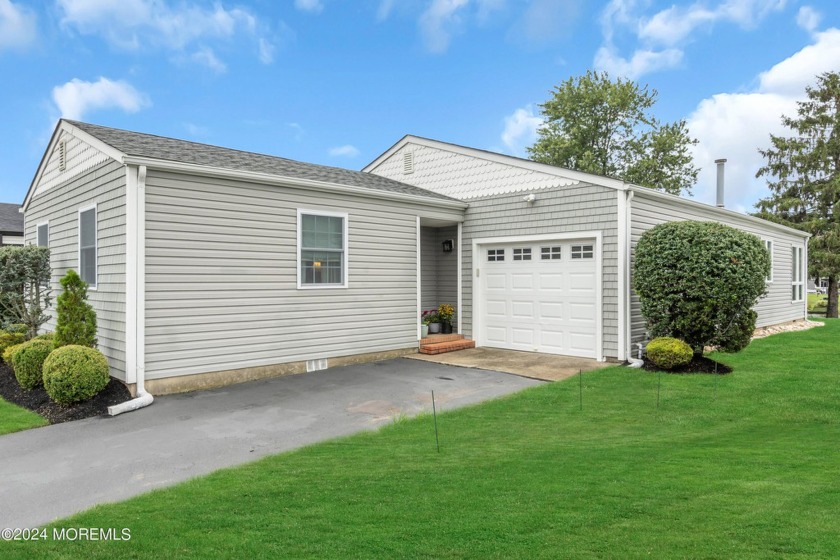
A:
28	362
76	322
75	373
10	339
698	282
669	353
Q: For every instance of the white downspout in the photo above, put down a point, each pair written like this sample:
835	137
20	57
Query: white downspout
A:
135	290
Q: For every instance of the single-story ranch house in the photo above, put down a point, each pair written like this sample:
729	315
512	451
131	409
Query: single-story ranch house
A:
208	265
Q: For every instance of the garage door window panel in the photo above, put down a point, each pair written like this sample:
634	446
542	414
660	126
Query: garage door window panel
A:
551	253
582	252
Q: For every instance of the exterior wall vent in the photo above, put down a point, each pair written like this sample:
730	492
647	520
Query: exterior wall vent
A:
316	365
62	155
408	163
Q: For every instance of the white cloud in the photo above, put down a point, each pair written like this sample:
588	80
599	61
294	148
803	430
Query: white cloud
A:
736	125
140	24
266	51
521	130
346	150
643	61
206	57
808	18
662	35
77	97
384	9
438	23
313	6
18	27
546	20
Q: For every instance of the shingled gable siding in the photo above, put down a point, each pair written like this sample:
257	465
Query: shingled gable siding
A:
221	276
103	185
647	212
566	209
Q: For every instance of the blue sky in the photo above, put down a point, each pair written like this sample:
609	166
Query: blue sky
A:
337	82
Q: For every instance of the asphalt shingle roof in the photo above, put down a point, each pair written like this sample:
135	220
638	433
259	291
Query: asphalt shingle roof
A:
183	151
10	219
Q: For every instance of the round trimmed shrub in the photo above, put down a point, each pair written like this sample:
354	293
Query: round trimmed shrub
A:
10	339
28	362
669	353
698	282
9	352
75	373
50	336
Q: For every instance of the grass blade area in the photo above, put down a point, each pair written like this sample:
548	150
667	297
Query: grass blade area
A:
738	466
14	418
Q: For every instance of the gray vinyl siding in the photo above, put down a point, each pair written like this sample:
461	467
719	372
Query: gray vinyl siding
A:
221	276
439	270
776	307
103	185
568	209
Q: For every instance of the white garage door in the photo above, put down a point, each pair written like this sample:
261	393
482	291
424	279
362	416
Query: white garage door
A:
539	297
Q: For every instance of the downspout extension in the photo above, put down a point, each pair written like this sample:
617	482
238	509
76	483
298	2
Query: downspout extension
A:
143	399
636	363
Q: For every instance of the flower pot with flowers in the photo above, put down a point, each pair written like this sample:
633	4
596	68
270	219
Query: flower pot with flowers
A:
431	319
445	313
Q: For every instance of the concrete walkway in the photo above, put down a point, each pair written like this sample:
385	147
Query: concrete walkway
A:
52	472
547	367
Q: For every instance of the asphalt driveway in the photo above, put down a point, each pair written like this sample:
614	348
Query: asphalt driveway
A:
52	472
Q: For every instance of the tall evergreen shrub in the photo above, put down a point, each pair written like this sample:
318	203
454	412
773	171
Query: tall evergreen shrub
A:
76	322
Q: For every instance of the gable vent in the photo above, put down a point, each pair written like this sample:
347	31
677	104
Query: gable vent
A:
408	163
62	155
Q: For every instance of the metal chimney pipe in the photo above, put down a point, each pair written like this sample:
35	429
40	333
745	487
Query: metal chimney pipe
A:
720	164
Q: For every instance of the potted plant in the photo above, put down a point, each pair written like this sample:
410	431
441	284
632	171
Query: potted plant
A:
445	313
431	318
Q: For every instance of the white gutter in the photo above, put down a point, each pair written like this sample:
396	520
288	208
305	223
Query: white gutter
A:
135	284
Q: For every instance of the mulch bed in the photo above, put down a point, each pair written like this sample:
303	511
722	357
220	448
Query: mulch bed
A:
37	400
697	364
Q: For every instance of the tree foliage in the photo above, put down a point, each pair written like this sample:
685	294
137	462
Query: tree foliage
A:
698	282
603	126
803	175
76	321
25	291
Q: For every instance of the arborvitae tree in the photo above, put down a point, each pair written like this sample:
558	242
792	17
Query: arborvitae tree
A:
76	323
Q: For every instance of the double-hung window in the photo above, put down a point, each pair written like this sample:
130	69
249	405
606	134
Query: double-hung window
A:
88	246
322	249
768	244
44	234
796	284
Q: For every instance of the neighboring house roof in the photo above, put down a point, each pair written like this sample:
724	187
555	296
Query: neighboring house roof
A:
11	220
126	146
482	185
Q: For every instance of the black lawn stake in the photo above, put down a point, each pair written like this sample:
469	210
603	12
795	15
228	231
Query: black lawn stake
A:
434	415
658	387
580	385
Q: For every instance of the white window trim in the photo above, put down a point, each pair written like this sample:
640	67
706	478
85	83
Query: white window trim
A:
797	272
37	227
79	243
771	250
345	265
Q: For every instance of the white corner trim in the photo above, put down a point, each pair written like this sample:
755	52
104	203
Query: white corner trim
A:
419	274
460	267
135	276
345	277
79	242
623	270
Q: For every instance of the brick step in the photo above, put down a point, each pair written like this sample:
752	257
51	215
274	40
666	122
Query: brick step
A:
434	338
450	346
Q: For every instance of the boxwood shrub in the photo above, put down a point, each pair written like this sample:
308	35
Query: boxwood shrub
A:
10	339
9	352
698	281
75	373
28	362
669	353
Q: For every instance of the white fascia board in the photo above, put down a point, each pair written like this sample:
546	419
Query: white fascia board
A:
501	159
269	179
673	199
70	130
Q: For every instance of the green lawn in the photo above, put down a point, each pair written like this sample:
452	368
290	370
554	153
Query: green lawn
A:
14	418
817	302
739	466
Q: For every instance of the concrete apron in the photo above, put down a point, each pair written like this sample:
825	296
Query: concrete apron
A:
546	367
